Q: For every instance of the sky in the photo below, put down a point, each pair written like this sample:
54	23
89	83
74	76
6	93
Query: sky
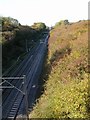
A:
48	11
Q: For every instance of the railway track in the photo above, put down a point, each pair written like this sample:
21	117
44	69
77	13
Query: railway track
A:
14	103
21	70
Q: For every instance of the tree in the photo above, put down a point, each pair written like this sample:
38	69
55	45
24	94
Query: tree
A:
62	22
9	23
39	26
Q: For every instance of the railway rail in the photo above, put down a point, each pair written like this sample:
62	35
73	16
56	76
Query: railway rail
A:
19	99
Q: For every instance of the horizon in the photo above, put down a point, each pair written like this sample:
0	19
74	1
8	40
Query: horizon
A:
30	11
45	23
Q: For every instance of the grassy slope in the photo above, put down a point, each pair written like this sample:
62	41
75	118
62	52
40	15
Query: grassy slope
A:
66	88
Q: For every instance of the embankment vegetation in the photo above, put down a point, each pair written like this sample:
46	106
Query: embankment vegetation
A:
17	39
65	74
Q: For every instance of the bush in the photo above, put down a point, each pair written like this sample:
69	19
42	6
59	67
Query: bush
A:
66	88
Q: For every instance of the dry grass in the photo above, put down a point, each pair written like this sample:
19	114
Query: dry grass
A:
66	90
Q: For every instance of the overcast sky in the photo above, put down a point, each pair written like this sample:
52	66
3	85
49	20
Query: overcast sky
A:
47	11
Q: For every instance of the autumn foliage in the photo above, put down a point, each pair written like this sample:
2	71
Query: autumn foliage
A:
66	74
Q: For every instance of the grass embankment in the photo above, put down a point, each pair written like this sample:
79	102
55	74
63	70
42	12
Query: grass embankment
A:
66	74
